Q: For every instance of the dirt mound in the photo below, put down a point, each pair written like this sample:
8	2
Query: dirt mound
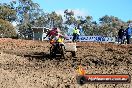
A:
26	64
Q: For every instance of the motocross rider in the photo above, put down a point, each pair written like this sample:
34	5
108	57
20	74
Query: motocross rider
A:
51	33
55	35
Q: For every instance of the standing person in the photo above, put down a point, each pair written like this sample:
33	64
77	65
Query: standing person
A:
121	35
74	34
78	34
128	34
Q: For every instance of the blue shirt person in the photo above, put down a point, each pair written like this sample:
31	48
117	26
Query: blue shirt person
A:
128	32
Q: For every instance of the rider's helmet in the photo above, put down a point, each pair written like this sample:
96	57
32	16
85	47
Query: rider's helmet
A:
54	28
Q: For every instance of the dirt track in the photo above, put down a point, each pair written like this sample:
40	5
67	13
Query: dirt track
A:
26	64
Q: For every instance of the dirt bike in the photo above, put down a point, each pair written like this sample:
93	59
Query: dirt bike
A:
57	50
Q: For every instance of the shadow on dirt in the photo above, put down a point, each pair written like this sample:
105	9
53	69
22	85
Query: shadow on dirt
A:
41	56
38	55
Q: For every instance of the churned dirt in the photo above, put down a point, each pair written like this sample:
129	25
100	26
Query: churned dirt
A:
27	64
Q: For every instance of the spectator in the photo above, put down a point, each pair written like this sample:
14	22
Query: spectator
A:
121	35
78	34
74	34
128	34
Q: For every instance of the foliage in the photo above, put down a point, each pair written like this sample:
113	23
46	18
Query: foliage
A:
28	14
6	29
7	12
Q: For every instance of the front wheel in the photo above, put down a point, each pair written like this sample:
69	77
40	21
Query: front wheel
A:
52	52
73	53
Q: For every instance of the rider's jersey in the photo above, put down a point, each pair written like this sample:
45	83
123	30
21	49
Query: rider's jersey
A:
60	40
52	33
55	36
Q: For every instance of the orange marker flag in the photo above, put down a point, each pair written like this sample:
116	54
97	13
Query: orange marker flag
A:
81	71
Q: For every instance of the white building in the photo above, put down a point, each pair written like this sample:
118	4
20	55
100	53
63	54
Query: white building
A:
39	33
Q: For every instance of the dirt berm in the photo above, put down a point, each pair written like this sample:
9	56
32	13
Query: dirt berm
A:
27	64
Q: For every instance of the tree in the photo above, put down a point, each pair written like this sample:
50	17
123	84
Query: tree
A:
70	19
110	25
6	29
7	12
27	12
7	15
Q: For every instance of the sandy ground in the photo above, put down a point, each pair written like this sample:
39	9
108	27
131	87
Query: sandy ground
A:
27	64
